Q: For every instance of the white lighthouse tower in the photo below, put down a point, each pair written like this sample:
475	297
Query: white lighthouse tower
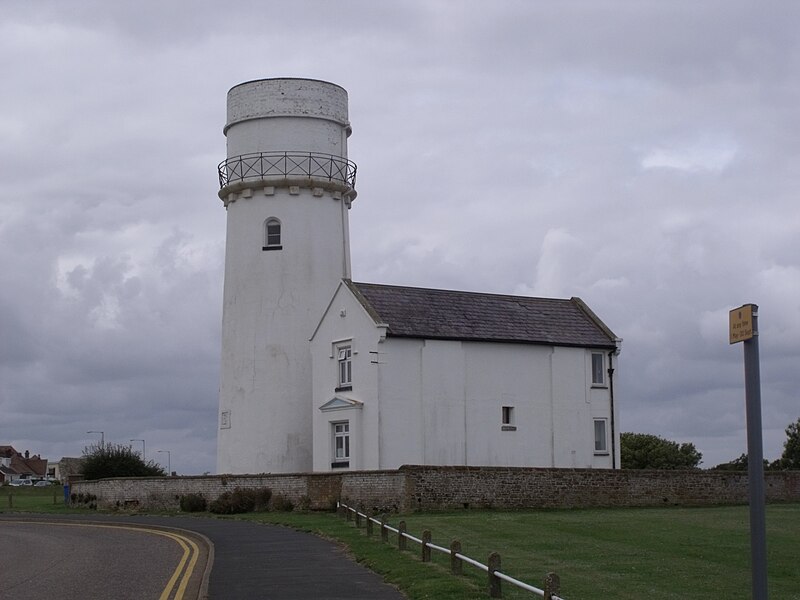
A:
287	186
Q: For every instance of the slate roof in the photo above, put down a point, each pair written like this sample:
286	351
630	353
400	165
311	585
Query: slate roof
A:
32	465
470	316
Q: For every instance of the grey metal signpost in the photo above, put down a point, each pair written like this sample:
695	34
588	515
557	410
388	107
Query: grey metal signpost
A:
744	328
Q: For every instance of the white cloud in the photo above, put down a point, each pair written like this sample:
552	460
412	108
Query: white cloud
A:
697	155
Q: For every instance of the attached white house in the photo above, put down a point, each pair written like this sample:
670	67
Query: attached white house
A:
437	377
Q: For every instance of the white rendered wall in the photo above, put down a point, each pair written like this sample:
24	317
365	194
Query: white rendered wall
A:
273	299
442	404
346	323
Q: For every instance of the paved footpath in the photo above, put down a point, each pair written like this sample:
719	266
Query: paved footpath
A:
253	560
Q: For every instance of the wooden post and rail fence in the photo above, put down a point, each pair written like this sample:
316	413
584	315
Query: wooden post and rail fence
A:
552	583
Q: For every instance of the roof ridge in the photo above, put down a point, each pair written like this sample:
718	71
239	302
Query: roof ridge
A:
470	292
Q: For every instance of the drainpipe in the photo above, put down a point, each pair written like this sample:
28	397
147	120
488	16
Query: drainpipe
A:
611	356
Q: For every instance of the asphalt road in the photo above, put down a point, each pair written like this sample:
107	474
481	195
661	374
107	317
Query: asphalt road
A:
87	560
252	560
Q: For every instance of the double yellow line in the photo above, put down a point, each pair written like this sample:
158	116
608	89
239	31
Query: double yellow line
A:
183	571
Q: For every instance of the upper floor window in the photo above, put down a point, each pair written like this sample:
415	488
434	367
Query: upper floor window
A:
344	357
272	234
598	368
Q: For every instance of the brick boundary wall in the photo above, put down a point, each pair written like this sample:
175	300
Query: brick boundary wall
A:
434	488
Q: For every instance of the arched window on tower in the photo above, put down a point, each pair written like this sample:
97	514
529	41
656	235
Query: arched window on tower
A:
272	234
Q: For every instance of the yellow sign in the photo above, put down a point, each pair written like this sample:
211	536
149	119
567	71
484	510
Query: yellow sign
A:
741	323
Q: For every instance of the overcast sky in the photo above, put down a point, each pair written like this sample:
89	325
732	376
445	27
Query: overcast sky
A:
644	156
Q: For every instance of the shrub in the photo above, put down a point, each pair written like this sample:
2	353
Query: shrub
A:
282	504
193	503
116	460
223	505
261	496
241	500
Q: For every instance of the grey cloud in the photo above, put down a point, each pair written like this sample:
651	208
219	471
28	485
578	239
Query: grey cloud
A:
643	157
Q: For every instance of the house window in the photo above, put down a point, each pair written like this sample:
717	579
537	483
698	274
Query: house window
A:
598	368
507	421
272	235
600	437
341	445
344	356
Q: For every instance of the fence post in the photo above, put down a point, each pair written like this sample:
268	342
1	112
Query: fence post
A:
552	586
455	562
10	500
384	531
401	537
358	518
340	508
495	591
369	523
426	550
348	513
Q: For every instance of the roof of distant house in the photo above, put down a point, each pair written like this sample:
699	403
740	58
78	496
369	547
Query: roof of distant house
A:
7	451
471	316
33	465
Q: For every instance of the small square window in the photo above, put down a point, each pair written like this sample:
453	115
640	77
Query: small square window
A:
600	436
507	420
598	369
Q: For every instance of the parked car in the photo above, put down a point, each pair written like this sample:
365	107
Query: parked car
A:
43	483
21	482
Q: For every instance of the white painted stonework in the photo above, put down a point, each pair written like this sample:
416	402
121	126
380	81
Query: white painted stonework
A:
273	299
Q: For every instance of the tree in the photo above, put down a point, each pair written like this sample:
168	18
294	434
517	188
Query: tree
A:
116	460
790	459
646	451
737	464
741	464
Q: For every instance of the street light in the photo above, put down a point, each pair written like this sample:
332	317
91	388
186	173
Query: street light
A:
169	464
102	437
134	440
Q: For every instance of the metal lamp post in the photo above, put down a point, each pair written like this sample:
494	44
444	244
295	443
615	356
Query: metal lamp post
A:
169	461
139	440
102	437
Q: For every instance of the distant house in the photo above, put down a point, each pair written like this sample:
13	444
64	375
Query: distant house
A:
438	377
14	465
7	475
68	469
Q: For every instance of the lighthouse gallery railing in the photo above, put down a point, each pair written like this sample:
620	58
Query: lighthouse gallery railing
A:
267	165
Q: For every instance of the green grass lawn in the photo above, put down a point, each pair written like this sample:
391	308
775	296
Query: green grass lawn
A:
664	553
33	499
653	553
